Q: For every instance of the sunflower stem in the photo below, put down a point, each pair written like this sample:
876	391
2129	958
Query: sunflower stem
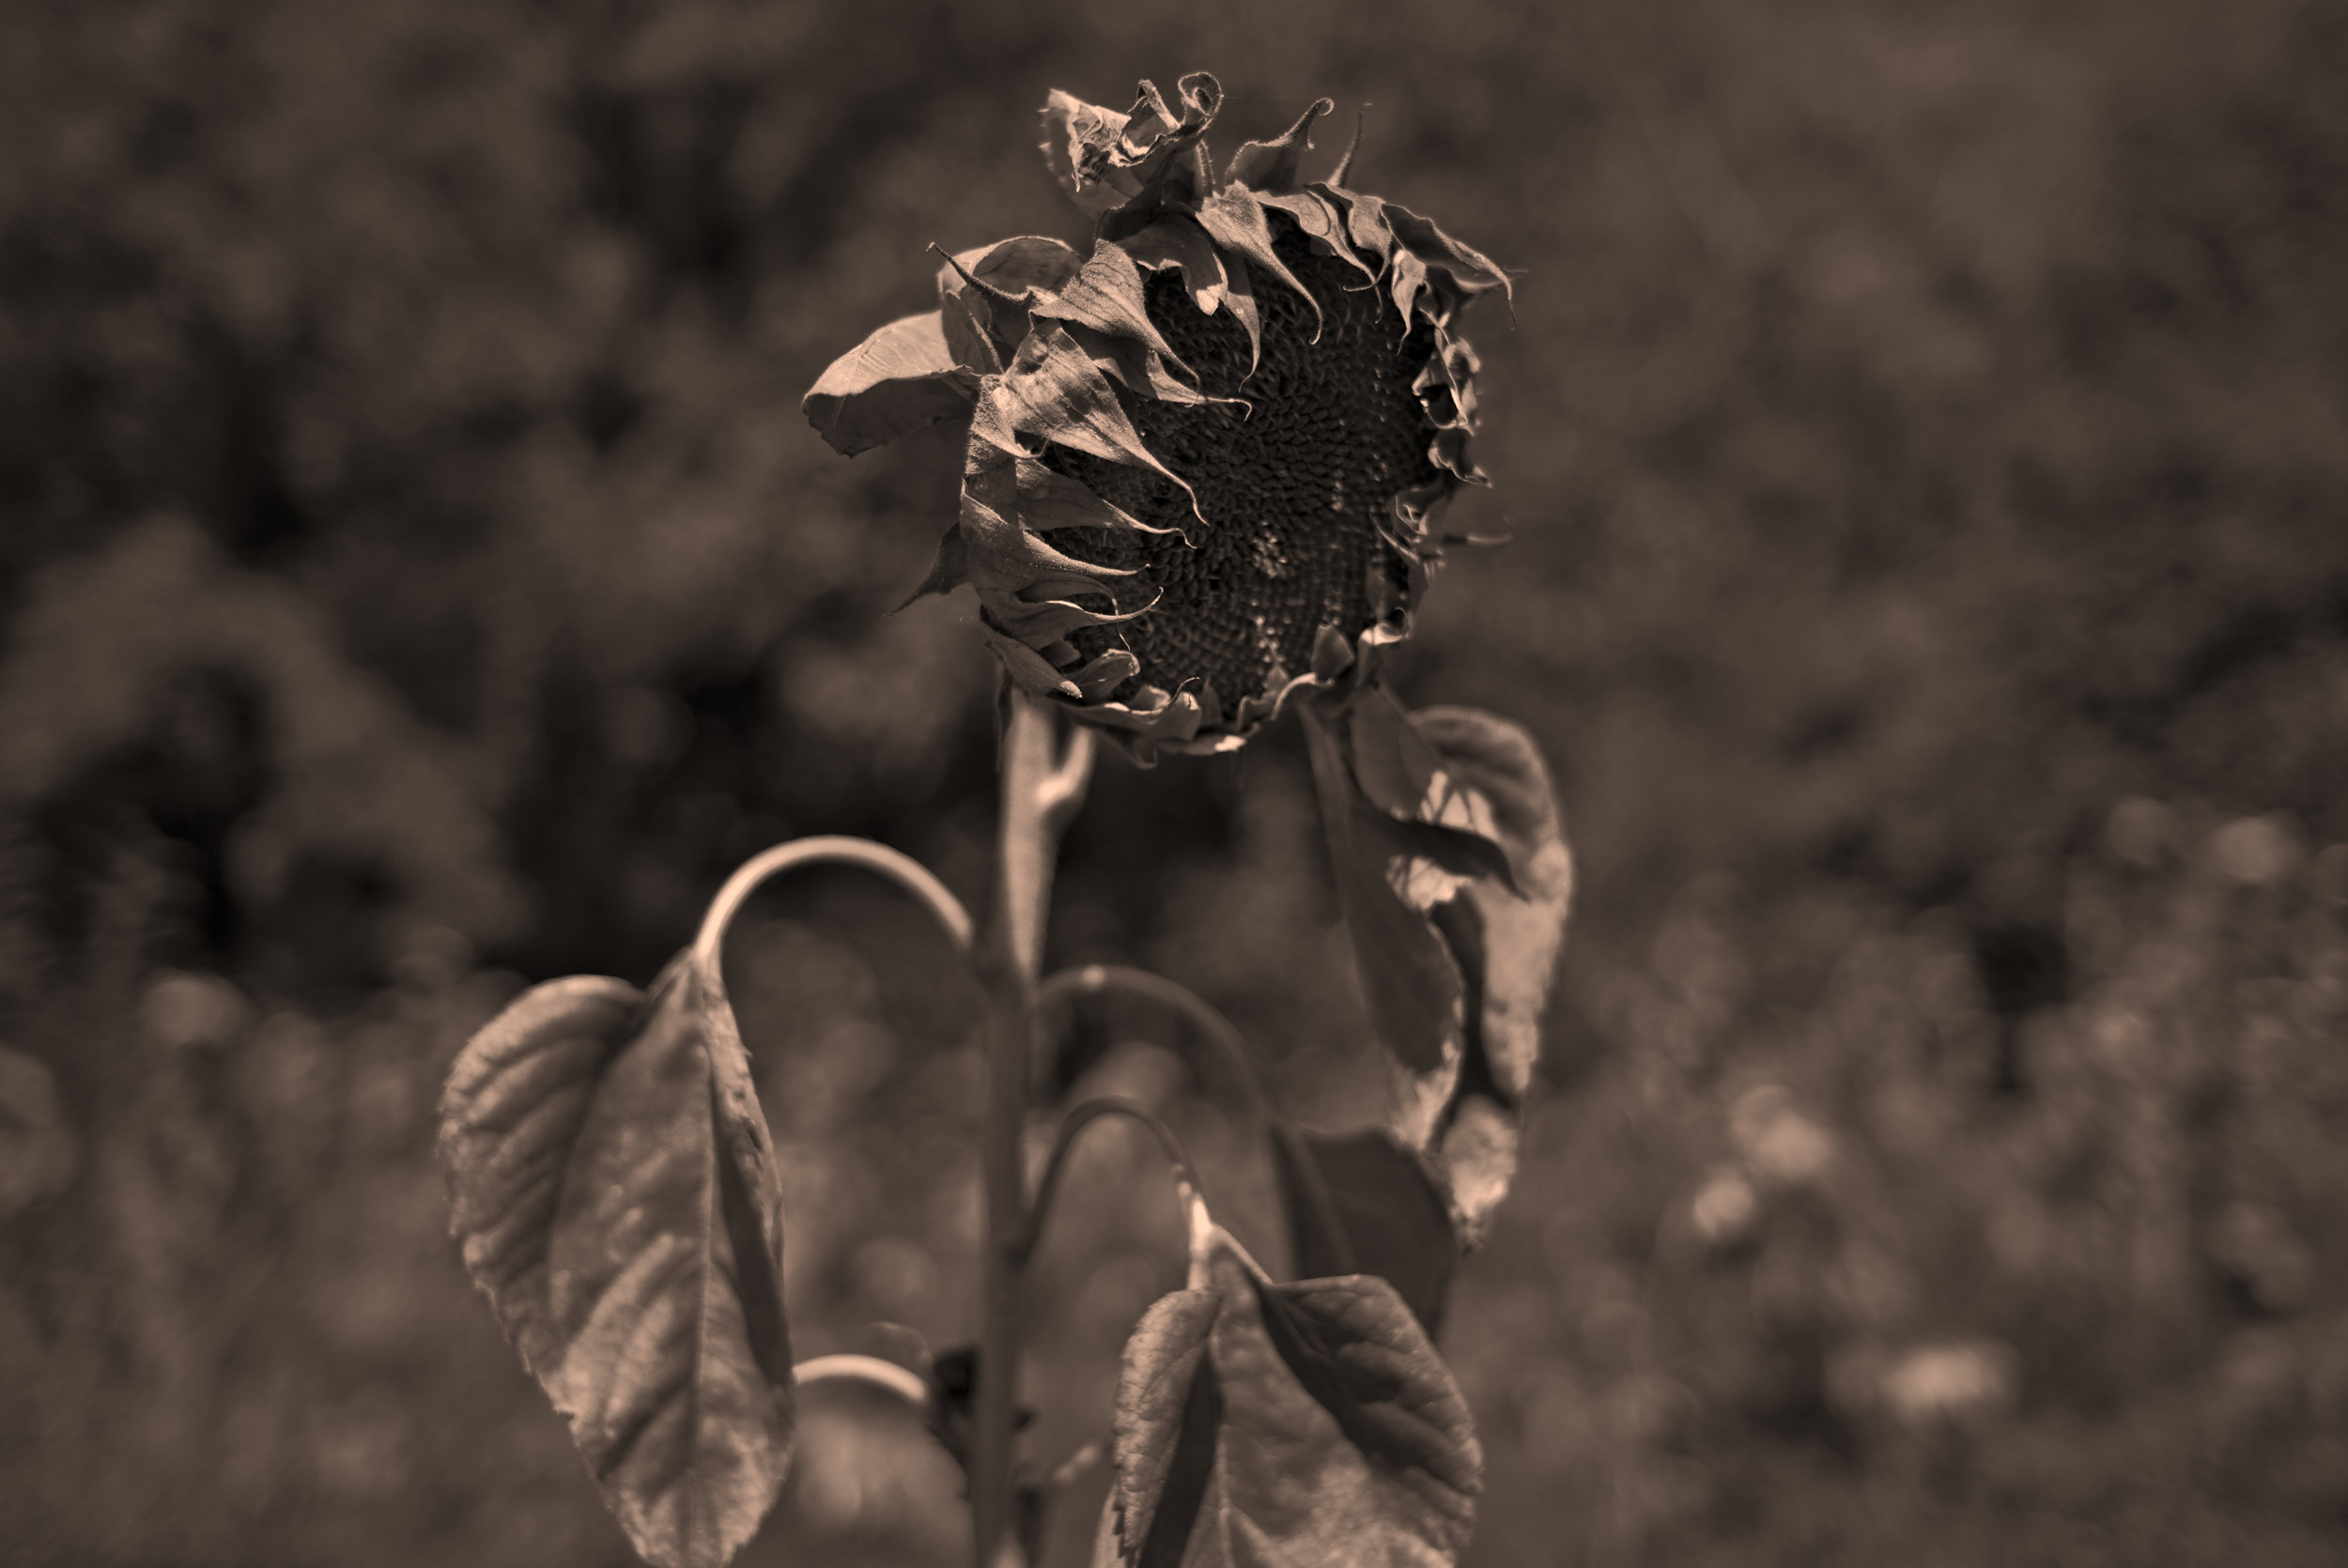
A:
1041	788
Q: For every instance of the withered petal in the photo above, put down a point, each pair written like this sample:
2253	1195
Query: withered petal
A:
1271	166
1105	293
1236	219
1177	240
901	379
1053	390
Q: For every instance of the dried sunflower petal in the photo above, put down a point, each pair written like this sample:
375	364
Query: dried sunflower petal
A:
1205	457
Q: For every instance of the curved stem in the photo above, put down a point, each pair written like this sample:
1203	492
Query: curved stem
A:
1186	1184
1228	1045
904	869
869	1370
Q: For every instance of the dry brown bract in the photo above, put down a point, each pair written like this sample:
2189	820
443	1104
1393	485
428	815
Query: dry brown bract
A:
1205	460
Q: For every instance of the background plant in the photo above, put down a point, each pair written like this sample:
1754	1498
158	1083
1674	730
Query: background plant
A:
1945	462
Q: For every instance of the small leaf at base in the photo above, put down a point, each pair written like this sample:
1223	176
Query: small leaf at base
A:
1303	1425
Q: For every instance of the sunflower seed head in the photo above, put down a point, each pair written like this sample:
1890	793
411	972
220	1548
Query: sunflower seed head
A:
1204	460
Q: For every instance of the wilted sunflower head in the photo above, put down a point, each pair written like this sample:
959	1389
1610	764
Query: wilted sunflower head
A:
1205	461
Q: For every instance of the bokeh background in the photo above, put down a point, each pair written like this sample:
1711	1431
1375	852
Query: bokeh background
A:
1921	429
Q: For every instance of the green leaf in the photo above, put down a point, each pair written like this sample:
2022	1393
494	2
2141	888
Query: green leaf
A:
1383	1214
613	1193
1304	1425
901	379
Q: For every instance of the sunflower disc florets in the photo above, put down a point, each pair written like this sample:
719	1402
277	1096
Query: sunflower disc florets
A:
1205	460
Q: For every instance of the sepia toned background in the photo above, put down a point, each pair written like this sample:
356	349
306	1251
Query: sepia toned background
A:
1920	427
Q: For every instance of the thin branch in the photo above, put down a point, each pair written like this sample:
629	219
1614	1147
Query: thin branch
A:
1231	1048
905	872
1187	1188
1227	1044
869	1370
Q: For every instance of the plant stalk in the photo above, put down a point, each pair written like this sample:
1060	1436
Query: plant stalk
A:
1040	790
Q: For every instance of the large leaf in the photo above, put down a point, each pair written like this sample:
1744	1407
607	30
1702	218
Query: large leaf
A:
614	1194
1304	1425
1454	878
901	379
1359	1203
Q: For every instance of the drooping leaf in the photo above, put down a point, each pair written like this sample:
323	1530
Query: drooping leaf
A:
1050	501
1407	973
1455	880
1365	219
1239	298
949	569
901	379
1304	1425
1508	937
1383	1215
615	1195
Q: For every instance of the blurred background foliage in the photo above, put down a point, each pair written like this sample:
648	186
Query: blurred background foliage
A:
1920	428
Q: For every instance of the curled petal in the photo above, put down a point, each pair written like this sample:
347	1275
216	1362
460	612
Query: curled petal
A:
1324	223
1108	163
1472	271
1271	166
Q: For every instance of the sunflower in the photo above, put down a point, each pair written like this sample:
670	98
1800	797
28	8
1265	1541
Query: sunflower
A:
1206	460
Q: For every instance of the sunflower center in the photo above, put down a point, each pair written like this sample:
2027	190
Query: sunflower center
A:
1293	492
